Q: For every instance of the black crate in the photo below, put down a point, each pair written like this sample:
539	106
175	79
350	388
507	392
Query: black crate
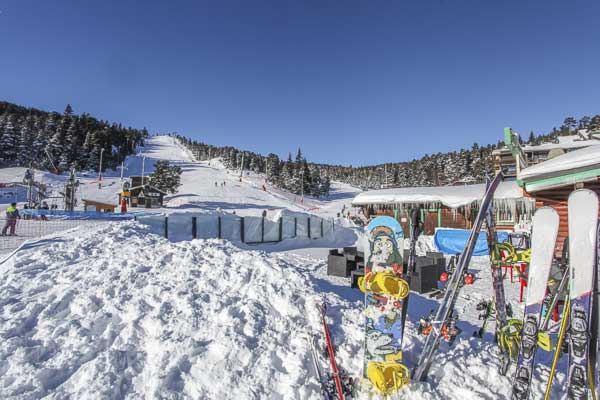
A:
338	265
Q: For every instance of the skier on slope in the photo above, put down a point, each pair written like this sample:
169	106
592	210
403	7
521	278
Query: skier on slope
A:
12	214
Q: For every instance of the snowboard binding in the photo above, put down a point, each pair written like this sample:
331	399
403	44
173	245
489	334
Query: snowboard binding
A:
448	330
384	283
387	376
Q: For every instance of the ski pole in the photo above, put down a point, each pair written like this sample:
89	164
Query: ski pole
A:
331	352
561	337
561	288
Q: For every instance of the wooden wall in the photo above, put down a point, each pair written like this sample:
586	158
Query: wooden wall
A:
557	199
449	219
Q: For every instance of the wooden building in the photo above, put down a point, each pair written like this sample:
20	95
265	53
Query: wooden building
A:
139	193
447	206
506	160
99	206
551	182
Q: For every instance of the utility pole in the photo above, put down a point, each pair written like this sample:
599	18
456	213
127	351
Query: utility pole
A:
266	168
302	186
242	166
122	168
385	176
100	169
143	162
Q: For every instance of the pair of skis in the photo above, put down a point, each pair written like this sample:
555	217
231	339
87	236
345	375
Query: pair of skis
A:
445	311
583	229
335	384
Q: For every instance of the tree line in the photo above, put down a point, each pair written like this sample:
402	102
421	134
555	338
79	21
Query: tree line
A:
294	175
472	165
49	140
55	142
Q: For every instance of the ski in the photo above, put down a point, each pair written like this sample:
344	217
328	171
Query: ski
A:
335	372
543	239
583	225
446	308
415	224
387	286
559	347
327	395
596	325
500	306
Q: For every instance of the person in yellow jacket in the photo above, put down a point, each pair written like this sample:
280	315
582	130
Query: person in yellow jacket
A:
12	214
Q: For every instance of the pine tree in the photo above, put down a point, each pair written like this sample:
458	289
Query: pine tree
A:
166	177
9	141
26	139
594	123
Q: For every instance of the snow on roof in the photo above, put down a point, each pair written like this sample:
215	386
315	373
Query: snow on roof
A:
583	158
570	142
564	142
450	196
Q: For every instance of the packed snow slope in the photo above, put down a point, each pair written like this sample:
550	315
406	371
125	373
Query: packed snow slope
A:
121	313
198	189
197	192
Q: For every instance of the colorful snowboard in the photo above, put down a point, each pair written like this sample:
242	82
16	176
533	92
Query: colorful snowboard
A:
583	225
385	294
543	239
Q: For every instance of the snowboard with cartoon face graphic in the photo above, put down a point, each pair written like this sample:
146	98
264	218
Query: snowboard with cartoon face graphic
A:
385	293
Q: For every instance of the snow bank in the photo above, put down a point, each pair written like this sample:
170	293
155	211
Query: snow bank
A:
125	314
120	313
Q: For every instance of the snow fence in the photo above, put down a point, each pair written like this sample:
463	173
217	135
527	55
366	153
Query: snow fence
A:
250	230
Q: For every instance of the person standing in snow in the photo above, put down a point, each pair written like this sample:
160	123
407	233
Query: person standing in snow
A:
12	214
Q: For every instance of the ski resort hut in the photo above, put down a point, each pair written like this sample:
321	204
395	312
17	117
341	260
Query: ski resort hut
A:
447	206
550	183
99	206
146	196
139	193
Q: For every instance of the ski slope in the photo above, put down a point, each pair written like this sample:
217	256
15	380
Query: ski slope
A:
197	191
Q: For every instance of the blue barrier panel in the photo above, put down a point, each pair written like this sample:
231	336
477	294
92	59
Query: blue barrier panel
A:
75	215
452	241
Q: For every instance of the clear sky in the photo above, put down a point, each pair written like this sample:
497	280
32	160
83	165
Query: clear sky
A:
350	81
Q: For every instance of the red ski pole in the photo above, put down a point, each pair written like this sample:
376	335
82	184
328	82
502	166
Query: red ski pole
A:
331	352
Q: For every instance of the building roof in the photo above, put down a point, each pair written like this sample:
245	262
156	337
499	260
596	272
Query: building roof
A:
148	186
103	203
450	196
575	166
571	142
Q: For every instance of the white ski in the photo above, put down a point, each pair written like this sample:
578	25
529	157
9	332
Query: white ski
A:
543	239
583	224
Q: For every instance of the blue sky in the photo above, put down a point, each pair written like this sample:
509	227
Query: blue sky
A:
351	82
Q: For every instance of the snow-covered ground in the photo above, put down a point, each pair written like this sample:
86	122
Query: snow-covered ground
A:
115	311
118	312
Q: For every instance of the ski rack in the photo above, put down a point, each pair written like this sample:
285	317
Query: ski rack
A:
447	305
